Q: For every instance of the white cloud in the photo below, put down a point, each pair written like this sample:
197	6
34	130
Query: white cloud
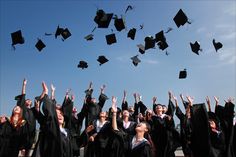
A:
201	29
229	36
231	10
228	55
150	61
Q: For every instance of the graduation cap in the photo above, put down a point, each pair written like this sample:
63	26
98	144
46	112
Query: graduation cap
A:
40	45
180	18
111	38
141	48
119	24
89	37
161	40
131	33
183	74
149	42
135	60
102	19
102	60
217	45
65	33
17	38
82	64
58	31
195	47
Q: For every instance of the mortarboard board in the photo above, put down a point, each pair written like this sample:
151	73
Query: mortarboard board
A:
149	42
119	24
183	74
40	45
17	38
141	48
82	64
161	40
111	38
195	47
102	60
135	60
131	33
102	19
217	45
65	33
89	37
58	31
180	18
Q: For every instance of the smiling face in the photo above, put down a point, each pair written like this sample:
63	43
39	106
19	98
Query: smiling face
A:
28	103
17	110
60	117
159	109
125	113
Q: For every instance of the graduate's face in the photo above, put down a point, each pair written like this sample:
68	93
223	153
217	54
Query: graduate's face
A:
141	127
212	124
159	109
164	109
93	100
60	116
102	115
28	103
125	113
16	110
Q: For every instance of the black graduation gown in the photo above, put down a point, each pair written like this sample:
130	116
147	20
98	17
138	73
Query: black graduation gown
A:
200	139
51	142
91	110
185	131
142	150
28	115
12	139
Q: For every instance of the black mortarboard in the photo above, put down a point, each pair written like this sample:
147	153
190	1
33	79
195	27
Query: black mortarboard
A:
119	24
102	60
149	42
183	74
135	60
17	38
141	48
111	38
161	40
131	33
89	37
40	45
217	45
180	18
102	19
58	31
195	47
65	33
82	64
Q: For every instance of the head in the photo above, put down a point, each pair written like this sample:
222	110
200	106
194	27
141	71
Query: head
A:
74	111
159	109
131	109
212	124
125	113
60	117
28	103
142	127
102	115
93	100
17	110
149	114
164	108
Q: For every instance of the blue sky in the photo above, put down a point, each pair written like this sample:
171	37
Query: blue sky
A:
210	73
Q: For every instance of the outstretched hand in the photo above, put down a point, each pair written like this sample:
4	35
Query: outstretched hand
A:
114	105
190	100
45	88
53	88
24	81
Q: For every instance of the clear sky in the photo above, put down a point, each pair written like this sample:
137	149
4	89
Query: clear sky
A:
210	73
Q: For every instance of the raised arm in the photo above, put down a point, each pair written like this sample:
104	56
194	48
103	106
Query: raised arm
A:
53	92
114	111
124	105
23	91
171	107
102	97
208	103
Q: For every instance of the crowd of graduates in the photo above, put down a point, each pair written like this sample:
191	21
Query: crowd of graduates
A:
126	131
